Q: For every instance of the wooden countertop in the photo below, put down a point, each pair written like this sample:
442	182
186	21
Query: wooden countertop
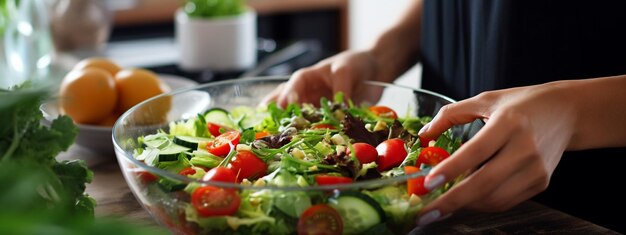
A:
115	199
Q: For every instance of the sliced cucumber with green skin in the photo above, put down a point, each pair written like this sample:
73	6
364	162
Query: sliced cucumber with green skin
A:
358	211
170	153
189	141
219	116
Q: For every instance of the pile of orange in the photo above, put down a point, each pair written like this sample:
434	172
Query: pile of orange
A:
97	91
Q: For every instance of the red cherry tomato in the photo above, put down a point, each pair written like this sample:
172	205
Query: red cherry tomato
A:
424	141
221	174
331	179
391	153
364	152
383	111
320	219
191	170
146	177
431	156
246	165
214	201
187	171
323	126
415	185
214	128
222	143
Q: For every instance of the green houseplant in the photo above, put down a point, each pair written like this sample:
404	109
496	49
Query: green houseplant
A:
219	35
214	8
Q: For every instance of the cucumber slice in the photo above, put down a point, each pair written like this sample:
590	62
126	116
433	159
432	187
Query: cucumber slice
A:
247	117
358	211
189	141
170	153
219	116
158	141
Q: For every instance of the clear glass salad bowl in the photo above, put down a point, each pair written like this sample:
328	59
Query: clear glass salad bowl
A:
263	208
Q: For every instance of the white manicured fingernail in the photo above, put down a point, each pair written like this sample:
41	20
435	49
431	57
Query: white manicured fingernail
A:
445	216
428	218
434	182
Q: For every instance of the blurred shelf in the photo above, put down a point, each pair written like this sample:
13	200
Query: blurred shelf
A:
150	11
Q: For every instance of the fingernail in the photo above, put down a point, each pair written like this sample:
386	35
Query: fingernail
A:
445	216
428	218
434	182
424	129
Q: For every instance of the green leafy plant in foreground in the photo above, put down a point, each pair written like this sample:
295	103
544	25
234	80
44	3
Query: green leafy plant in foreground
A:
40	195
213	8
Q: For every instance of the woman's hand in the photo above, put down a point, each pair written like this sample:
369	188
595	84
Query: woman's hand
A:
512	157
341	73
391	54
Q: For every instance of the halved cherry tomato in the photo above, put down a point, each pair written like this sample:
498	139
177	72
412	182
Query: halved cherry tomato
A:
222	143
424	141
320	219
415	185
323	126
191	170
391	153
146	177
364	152
214	201
431	156
221	174
331	179
214	128
187	171
261	134
383	111
246	165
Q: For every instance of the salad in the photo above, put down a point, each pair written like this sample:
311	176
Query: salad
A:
269	148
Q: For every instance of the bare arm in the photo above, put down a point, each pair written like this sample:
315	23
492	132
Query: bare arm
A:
601	112
397	49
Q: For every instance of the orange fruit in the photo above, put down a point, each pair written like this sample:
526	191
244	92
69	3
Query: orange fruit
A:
135	86
88	95
96	62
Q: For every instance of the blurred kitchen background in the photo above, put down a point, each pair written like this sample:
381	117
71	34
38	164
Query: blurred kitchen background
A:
291	34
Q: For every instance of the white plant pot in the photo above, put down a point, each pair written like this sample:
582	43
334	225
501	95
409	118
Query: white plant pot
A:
218	44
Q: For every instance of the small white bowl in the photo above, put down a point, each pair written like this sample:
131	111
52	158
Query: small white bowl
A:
98	138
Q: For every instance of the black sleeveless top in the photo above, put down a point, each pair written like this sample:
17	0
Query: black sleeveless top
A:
470	46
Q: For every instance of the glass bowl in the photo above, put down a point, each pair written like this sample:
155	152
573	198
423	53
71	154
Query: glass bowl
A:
171	207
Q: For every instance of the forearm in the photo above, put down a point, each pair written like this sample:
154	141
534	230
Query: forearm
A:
600	108
396	50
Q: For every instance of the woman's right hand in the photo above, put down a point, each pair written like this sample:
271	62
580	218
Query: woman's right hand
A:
343	72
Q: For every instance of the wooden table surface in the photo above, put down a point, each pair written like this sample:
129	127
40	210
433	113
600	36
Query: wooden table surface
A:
115	199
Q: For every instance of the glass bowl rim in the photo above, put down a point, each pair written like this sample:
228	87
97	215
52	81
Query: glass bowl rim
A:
373	183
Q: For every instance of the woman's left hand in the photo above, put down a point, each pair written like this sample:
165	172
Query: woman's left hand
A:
512	157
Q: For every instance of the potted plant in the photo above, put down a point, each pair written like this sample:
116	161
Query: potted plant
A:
219	35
